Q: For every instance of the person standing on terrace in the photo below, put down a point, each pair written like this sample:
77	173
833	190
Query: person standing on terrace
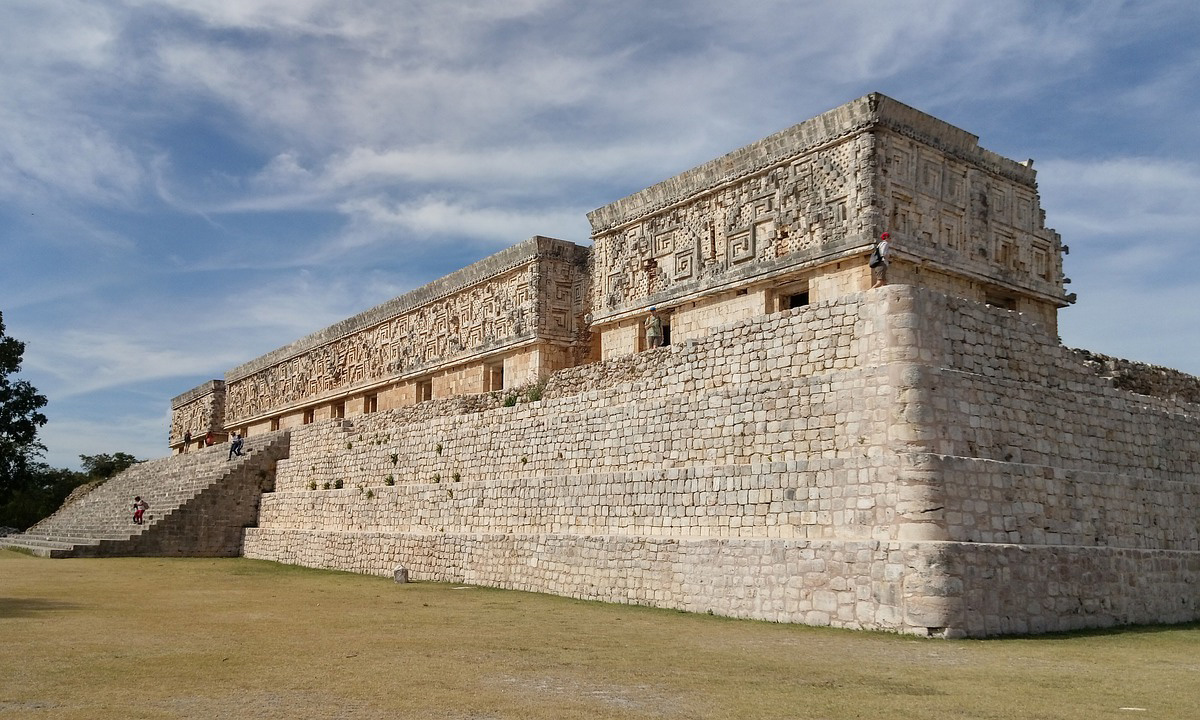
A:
654	329
881	257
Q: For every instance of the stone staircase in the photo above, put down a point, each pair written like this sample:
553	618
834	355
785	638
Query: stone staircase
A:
200	503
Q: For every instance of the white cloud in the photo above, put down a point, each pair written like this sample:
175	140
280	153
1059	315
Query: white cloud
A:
1110	200
72	161
433	217
86	360
1129	222
55	33
142	435
55	148
512	172
1151	324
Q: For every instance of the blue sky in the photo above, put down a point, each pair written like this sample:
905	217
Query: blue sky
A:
186	185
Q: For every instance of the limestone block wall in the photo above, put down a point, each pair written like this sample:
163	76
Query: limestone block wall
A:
696	319
743	473
896	459
1069	502
783	499
846	277
852	584
623	338
1013	395
758	392
1143	379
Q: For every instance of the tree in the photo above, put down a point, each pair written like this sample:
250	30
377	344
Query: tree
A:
44	489
30	489
43	492
104	466
20	418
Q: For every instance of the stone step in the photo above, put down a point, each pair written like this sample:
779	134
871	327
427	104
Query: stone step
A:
45	548
100	523
78	537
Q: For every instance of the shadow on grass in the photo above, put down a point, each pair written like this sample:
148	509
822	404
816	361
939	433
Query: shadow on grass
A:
28	607
1099	632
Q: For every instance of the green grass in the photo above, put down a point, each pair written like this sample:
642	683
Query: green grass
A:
235	638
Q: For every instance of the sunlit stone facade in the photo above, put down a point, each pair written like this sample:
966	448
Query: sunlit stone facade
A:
923	456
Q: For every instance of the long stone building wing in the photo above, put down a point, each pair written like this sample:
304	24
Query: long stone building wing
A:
906	448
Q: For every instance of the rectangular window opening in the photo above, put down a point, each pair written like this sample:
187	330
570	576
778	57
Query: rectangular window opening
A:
791	296
1008	302
797	300
495	377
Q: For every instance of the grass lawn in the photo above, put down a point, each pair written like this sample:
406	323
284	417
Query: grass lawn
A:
235	638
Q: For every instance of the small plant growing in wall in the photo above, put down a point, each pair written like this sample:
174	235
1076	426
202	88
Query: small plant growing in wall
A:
370	494
312	484
450	494
325	486
395	458
389	480
438	449
534	393
510	400
337	484
457	477
524	459
437	477
349	446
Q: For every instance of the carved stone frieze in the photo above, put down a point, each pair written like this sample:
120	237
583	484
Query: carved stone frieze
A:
198	411
822	191
541	297
795	209
967	217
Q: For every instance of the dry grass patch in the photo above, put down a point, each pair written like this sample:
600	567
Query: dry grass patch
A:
188	638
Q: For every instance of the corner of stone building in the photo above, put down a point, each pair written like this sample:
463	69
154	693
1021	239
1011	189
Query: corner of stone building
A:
912	436
932	592
931	589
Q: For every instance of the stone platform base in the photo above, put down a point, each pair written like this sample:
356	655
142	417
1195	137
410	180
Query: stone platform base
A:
924	588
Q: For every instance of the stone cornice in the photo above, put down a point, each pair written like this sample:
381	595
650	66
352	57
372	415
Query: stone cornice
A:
197	392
